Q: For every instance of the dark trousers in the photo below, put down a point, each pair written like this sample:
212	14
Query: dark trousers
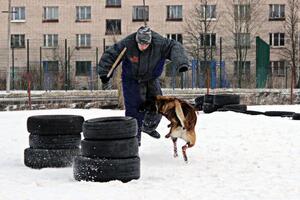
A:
135	93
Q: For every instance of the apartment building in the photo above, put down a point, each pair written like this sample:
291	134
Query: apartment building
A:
69	36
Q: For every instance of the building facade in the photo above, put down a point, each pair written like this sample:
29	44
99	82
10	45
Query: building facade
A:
61	41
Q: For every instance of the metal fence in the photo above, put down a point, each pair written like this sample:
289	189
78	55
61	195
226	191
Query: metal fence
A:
69	67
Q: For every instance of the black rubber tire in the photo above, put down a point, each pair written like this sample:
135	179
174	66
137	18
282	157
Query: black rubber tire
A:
208	108
54	141
279	113
296	116
41	158
55	124
198	107
236	107
123	148
110	128
208	98
199	100
225	99
103	170
253	112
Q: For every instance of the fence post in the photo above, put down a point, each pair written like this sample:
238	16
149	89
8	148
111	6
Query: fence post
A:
69	70
28	77
13	66
66	63
220	85
40	68
97	57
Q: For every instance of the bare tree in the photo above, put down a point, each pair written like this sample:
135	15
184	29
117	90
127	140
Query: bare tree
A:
243	21
292	33
200	37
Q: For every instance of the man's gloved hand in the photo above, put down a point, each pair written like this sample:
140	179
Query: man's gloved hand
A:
104	79
183	68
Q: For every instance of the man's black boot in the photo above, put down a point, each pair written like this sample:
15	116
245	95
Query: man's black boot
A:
154	134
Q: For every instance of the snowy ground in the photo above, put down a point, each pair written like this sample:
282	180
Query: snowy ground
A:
237	157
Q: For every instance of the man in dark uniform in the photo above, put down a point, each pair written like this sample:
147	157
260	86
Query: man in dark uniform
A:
141	68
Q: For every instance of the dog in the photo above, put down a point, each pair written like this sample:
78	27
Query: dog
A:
182	116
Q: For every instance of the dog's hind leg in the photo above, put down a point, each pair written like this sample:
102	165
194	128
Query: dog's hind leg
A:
187	145
175	147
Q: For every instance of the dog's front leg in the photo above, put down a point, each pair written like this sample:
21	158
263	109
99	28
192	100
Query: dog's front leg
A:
184	153
175	147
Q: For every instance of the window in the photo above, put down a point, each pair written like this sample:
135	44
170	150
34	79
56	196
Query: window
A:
208	39
50	40
18	13
83	40
83	68
242	12
113	3
50	66
277	12
174	13
208	11
278	68
50	14
244	68
276	39
139	12
18	41
83	13
242	40
113	27
175	36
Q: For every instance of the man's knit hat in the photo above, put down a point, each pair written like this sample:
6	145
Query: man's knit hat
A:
143	35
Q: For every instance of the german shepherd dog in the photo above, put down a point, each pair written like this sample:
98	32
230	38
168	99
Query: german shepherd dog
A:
182	116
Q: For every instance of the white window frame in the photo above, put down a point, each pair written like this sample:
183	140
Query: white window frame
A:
20	42
113	3
210	10
83	40
242	11
278	68
244	40
280	39
174	12
50	40
51	13
18	14
175	36
113	32
138	11
281	11
210	39
83	13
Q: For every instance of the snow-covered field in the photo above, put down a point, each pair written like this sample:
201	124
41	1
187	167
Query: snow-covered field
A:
237	157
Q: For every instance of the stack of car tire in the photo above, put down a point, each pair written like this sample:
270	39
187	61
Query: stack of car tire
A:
219	102
109	150
54	140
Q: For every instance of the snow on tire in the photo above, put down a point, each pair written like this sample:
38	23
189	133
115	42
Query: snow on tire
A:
225	99
55	124
104	170
110	128
41	158
123	148
54	141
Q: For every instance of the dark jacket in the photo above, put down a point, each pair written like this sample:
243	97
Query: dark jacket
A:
146	65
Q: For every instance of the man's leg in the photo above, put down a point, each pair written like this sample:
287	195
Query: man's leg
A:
132	101
151	120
